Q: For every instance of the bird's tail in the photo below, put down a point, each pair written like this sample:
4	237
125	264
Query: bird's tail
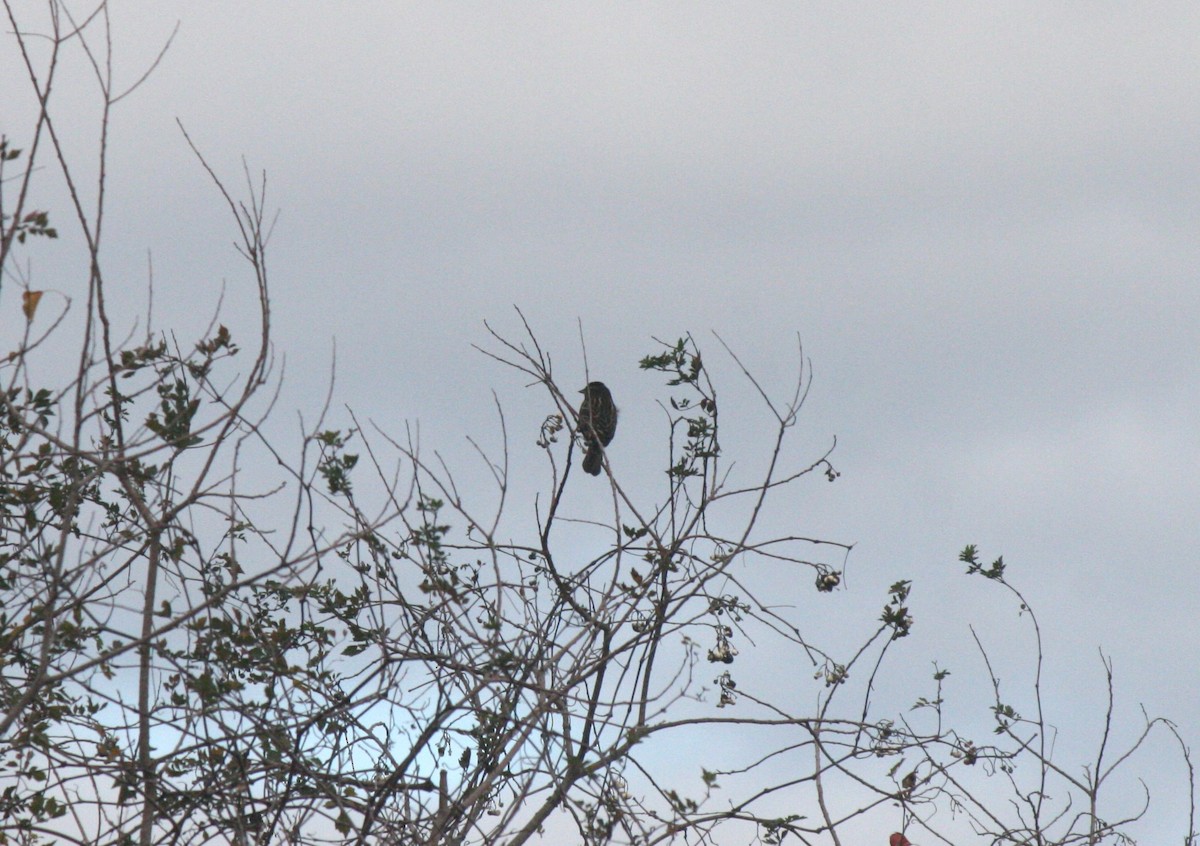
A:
591	461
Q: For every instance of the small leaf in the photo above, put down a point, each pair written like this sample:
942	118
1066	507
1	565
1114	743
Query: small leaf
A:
29	302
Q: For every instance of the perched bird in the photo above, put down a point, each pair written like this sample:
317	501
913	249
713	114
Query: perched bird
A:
597	424
898	839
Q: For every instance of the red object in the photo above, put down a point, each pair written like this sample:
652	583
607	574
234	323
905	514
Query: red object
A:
898	839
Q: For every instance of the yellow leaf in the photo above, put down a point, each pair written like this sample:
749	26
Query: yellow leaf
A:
29	302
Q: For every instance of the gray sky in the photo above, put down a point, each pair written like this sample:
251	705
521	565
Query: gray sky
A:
980	218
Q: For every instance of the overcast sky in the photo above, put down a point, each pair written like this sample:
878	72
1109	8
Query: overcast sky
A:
981	219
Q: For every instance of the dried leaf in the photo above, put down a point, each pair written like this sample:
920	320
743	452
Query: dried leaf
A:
29	302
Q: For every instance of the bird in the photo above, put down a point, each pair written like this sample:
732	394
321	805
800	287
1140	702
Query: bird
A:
898	839
597	424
